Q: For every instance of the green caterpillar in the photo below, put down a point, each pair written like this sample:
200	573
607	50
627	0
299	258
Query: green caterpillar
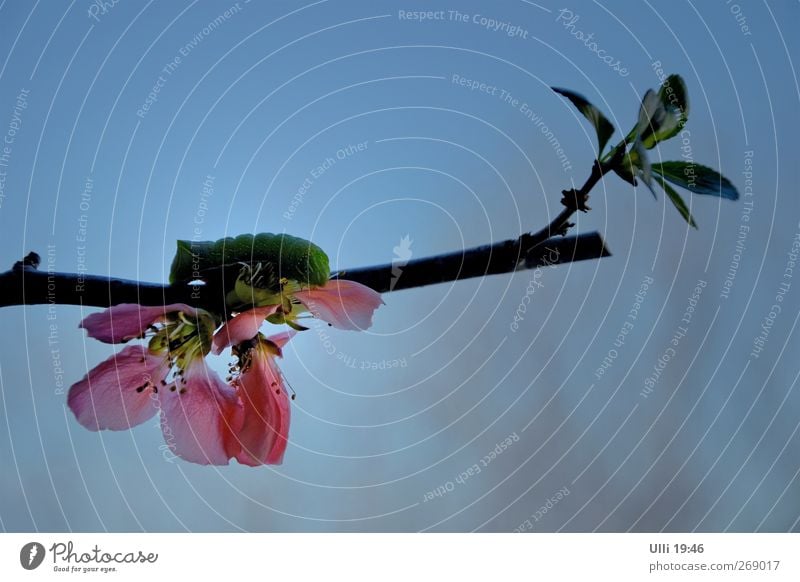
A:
281	256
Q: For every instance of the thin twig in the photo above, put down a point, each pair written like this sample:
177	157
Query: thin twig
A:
26	285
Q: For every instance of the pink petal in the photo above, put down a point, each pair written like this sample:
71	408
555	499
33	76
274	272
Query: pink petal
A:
127	321
120	392
241	328
343	304
200	417
265	430
281	339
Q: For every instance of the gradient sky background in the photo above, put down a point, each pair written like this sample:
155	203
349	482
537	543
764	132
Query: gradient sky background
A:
277	88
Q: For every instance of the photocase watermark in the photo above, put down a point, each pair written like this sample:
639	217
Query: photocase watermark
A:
626	328
84	204
402	254
167	448
739	16
475	85
373	365
206	31
784	286
7	146
689	171
184	51
81	240
473	470
744	227
522	106
68	559
538	121
421	15
318	171
31	555
533	285
568	19
547	506
490	24
206	193
669	90
680	332
349	360
480	20
99	8
52	324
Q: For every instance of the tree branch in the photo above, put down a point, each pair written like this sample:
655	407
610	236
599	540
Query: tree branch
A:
26	285
504	257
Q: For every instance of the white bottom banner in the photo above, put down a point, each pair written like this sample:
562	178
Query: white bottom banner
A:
352	557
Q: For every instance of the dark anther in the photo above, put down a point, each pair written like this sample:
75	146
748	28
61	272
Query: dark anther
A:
182	391
176	343
141	388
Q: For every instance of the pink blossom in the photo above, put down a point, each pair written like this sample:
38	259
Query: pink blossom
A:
117	393
265	430
200	414
343	304
127	321
241	327
205	420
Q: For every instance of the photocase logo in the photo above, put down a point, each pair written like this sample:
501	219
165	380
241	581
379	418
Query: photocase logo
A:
31	555
402	254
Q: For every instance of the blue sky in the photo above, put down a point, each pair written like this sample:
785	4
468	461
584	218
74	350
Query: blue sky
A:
356	124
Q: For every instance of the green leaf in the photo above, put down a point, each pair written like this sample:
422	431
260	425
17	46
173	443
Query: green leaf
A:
280	255
623	170
635	164
697	179
651	114
679	203
182	262
639	158
670	116
602	126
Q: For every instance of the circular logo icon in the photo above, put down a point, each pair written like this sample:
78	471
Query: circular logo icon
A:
31	555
